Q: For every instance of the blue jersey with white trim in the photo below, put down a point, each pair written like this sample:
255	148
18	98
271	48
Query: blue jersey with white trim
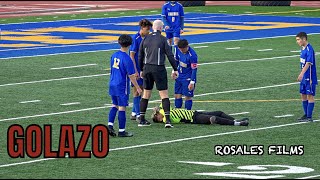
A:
121	67
308	56
188	64
137	39
172	13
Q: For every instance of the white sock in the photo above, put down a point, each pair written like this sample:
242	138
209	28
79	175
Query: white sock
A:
133	114
236	123
110	124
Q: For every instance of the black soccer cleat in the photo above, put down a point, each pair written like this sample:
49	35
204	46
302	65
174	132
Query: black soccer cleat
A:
309	119
244	123
112	132
168	125
303	118
125	134
143	123
133	118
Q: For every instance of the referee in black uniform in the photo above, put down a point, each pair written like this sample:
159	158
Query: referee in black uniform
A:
152	51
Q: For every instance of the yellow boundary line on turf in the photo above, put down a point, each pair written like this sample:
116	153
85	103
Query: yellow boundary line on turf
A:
257	100
284	12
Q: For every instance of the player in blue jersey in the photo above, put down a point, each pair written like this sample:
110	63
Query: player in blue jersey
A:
187	61
173	18
307	77
122	69
145	26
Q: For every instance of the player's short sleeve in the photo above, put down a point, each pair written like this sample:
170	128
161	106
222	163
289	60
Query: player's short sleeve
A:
176	53
111	61
128	64
181	11
194	57
134	46
310	56
164	13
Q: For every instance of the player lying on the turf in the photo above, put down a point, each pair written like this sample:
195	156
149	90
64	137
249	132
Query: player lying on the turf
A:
178	115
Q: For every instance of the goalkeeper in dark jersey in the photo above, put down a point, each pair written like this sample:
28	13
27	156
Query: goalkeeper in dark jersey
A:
178	115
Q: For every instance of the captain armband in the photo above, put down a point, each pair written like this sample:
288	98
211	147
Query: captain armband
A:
194	65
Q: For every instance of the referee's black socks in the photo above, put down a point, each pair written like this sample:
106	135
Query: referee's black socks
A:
143	108
166	108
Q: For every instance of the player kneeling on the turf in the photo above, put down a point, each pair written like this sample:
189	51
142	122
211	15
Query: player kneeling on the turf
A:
178	115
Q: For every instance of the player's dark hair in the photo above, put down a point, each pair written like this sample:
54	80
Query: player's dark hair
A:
154	119
125	40
183	43
302	35
145	23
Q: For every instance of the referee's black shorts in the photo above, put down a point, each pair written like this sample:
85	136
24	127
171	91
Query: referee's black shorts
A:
157	74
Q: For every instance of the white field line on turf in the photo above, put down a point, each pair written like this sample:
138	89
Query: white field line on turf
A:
295	51
173	141
24	102
261	50
250	60
79	77
58	113
196	47
272	37
117	49
57	54
154	101
286	115
69	104
309	177
69	67
26	162
206	163
248	89
233	114
49	80
233	48
60	46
